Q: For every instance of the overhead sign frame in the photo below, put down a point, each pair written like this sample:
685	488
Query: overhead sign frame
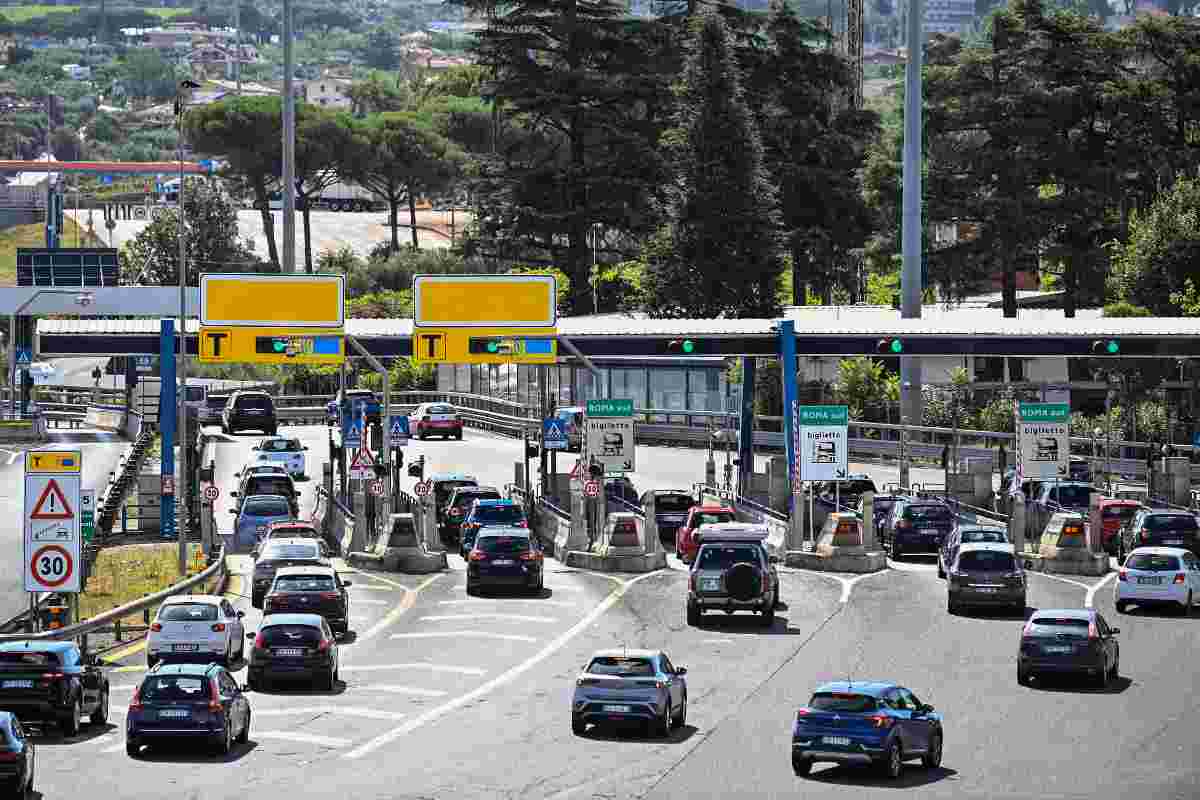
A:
824	443
445	345
247	345
279	301
485	301
1044	440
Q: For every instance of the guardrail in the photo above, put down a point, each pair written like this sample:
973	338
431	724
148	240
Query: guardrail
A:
100	621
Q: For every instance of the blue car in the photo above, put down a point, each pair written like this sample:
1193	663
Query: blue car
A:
256	515
488	514
868	723
187	701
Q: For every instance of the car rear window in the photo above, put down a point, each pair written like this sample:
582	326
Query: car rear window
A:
673	503
1061	626
283	635
987	561
253	401
1170	522
217	400
979	536
503	544
443	489
928	513
711	518
848	702
466	497
1149	562
855	487
622	667
282	551
168	688
440	410
304	583
1075	496
269	484
725	557
498	514
28	658
296	533
1123	513
282	446
267	507
188	612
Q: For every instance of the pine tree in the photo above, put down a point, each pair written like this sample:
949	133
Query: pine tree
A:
718	255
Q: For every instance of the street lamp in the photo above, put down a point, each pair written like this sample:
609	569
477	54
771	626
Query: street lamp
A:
82	298
180	105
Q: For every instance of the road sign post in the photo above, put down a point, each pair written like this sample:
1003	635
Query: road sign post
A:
87	515
1043	440
53	521
824	441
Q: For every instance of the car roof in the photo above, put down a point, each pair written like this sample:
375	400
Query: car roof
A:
252	391
621	652
671	491
872	688
502	530
311	620
713	507
1160	551
572	409
311	569
494	503
36	645
1068	613
998	547
469	489
163	668
263	497
294	540
193	598
292	523
975	526
452	476
1118	501
1168	512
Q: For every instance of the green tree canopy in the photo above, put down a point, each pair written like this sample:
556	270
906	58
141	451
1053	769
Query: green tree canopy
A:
1162	255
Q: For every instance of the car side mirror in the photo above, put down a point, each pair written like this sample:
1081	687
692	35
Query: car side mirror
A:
250	636
233	494
233	511
773	559
347	583
304	448
1114	631
681	670
241	614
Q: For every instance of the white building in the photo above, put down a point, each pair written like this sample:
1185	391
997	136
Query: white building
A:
327	92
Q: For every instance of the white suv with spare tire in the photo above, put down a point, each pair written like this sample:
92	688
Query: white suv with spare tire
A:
732	572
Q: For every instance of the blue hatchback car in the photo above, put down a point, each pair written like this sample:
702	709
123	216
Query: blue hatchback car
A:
187	701
869	723
488	514
256	515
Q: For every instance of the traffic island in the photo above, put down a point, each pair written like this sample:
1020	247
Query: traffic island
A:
624	546
400	551
1064	549
845	545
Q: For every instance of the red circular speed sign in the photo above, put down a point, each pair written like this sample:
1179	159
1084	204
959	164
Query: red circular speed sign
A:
51	565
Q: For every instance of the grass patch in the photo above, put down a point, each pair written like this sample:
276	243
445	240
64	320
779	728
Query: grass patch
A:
24	13
123	574
34	235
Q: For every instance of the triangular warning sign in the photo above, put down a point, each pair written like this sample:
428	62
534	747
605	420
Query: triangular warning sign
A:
362	459
52	504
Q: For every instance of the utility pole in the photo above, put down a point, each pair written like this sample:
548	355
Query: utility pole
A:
289	145
181	488
911	230
237	46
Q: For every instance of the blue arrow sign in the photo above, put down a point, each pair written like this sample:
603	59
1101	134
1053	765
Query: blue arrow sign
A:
554	434
399	432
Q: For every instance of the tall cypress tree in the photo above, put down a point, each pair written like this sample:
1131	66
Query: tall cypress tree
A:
718	254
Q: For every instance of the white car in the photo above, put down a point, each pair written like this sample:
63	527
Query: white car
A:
435	419
1156	576
282	451
196	628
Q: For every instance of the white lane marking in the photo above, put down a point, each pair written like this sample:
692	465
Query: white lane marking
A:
406	604
409	690
901	566
371	587
305	738
484	601
487	615
1077	584
511	637
366	713
847	583
505	677
418	665
371	601
372	576
1091	593
12	458
716	641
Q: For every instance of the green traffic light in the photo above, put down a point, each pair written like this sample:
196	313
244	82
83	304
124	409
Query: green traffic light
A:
688	345
897	346
280	345
1112	347
493	346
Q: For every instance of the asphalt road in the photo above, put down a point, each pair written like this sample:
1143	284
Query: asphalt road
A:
449	696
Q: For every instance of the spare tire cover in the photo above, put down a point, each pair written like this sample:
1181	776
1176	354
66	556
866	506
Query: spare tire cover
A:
743	581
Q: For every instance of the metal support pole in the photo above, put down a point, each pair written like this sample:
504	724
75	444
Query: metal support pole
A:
387	397
746	428
911	233
787	354
237	46
166	424
12	365
543	399
182	489
289	145
587	362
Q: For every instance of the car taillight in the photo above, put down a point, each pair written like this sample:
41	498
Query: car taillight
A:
1093	633
1123	575
660	684
1144	535
1180	578
330	595
156	626
135	703
801	714
882	721
454	512
532	555
477	555
219	627
260	642
323	646
9	755
214	698
49	678
522	524
1028	629
904	524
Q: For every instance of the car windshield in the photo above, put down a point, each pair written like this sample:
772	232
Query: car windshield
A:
503	544
188	612
1170	522
982	535
282	551
281	446
928	513
850	488
492	515
304	583
1074	496
268	484
1062	626
440	410
443	489
711	518
725	557
168	688
987	561
1150	562
217	400
1123	513
28	658
254	401
266	507
674	503
845	702
463	499
622	667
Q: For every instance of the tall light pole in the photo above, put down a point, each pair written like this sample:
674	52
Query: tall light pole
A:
911	228
289	145
181	361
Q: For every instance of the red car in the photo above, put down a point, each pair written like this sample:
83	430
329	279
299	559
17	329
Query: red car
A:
1116	514
685	540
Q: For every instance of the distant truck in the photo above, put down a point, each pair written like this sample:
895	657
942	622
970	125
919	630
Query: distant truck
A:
338	197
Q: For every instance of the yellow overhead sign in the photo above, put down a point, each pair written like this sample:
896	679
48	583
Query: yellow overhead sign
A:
292	301
230	345
54	461
485	301
485	345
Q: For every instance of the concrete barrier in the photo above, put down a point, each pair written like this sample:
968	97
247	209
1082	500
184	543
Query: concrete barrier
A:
643	554
841	546
106	418
1063	548
401	550
22	430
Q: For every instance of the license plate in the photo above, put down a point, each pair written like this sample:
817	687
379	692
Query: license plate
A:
1058	649
711	584
18	684
986	590
185	648
929	531
171	714
1150	580
289	651
844	741
504	562
617	709
1172	541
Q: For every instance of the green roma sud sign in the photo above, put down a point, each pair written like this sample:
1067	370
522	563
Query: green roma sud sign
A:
610	408
824	415
1044	412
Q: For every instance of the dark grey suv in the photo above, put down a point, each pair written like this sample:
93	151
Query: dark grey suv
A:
249	410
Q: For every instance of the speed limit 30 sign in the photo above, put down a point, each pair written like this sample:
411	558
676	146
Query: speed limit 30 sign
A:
52	566
52	517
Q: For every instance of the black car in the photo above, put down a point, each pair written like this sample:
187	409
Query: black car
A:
178	702
277	554
1075	641
504	557
458	506
310	589
249	410
917	526
18	756
671	507
52	682
269	484
1159	527
293	647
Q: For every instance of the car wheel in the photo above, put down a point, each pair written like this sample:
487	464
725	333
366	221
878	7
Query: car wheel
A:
1186	608
100	715
578	726
458	436
327	683
1102	679
1116	668
933	757
681	717
225	743
693	615
893	763
662	725
1022	677
951	606
70	723
896	552
802	767
1122	607
132	748
244	736
768	616
941	571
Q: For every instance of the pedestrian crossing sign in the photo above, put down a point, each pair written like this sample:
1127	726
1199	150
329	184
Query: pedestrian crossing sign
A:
554	434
